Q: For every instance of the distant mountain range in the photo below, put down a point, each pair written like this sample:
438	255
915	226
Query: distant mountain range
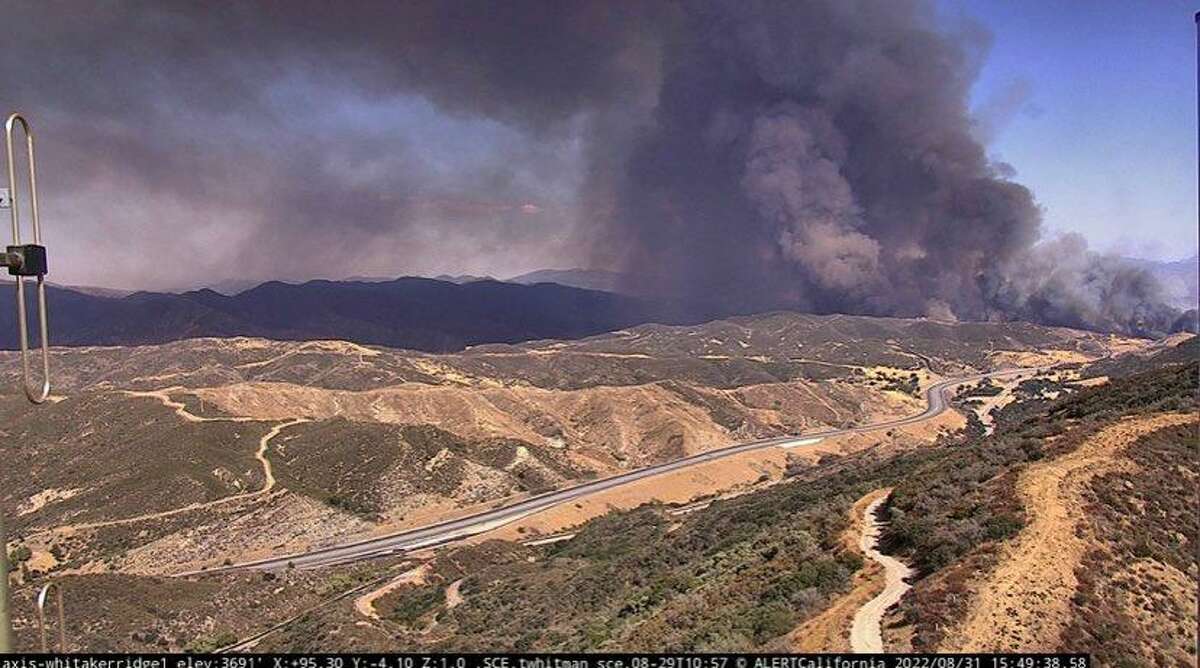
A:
443	314
236	286
416	313
588	279
94	290
463	278
1180	279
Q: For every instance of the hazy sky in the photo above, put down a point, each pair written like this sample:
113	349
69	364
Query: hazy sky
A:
1097	108
187	146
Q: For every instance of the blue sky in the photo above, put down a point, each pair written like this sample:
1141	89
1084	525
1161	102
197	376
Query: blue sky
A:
1105	129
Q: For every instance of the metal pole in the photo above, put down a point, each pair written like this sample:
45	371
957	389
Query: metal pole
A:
36	254
41	612
38	395
62	620
41	609
5	619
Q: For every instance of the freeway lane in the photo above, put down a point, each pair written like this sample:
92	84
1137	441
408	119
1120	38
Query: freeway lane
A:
448	531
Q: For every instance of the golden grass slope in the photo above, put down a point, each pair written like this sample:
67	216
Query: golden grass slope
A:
1024	604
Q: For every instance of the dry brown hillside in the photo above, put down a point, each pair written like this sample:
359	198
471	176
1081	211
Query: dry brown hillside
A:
157	458
1071	527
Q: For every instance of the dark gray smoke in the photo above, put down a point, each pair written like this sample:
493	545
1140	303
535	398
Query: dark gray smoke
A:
1062	282
739	154
199	142
821	155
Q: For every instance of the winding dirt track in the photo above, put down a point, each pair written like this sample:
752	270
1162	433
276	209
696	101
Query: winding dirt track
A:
365	604
1023	605
829	631
865	635
181	410
261	455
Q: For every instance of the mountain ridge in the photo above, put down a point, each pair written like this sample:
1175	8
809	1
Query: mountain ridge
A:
418	313
408	312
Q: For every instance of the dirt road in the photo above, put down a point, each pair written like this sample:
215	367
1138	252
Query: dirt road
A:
365	604
1024	604
829	631
865	636
260	454
180	408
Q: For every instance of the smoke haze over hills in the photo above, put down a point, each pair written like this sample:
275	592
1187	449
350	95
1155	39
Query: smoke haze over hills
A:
749	155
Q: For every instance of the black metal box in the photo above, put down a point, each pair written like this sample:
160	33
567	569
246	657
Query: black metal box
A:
33	260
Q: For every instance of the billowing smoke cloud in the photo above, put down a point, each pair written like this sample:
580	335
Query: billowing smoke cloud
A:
740	155
289	140
1062	282
821	155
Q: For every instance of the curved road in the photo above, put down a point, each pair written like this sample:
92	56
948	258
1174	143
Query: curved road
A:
445	532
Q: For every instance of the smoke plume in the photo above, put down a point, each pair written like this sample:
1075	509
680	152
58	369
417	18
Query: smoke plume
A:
820	155
739	155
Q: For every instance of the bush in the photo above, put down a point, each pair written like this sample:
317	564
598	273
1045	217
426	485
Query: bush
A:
770	621
408	604
1001	527
211	643
340	582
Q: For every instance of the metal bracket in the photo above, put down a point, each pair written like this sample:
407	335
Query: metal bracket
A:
27	261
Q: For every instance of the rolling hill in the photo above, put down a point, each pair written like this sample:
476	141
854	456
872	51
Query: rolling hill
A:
156	460
415	313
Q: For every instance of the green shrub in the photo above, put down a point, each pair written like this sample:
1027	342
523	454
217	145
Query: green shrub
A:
211	643
408	604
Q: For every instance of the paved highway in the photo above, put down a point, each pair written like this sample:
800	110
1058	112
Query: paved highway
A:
452	530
